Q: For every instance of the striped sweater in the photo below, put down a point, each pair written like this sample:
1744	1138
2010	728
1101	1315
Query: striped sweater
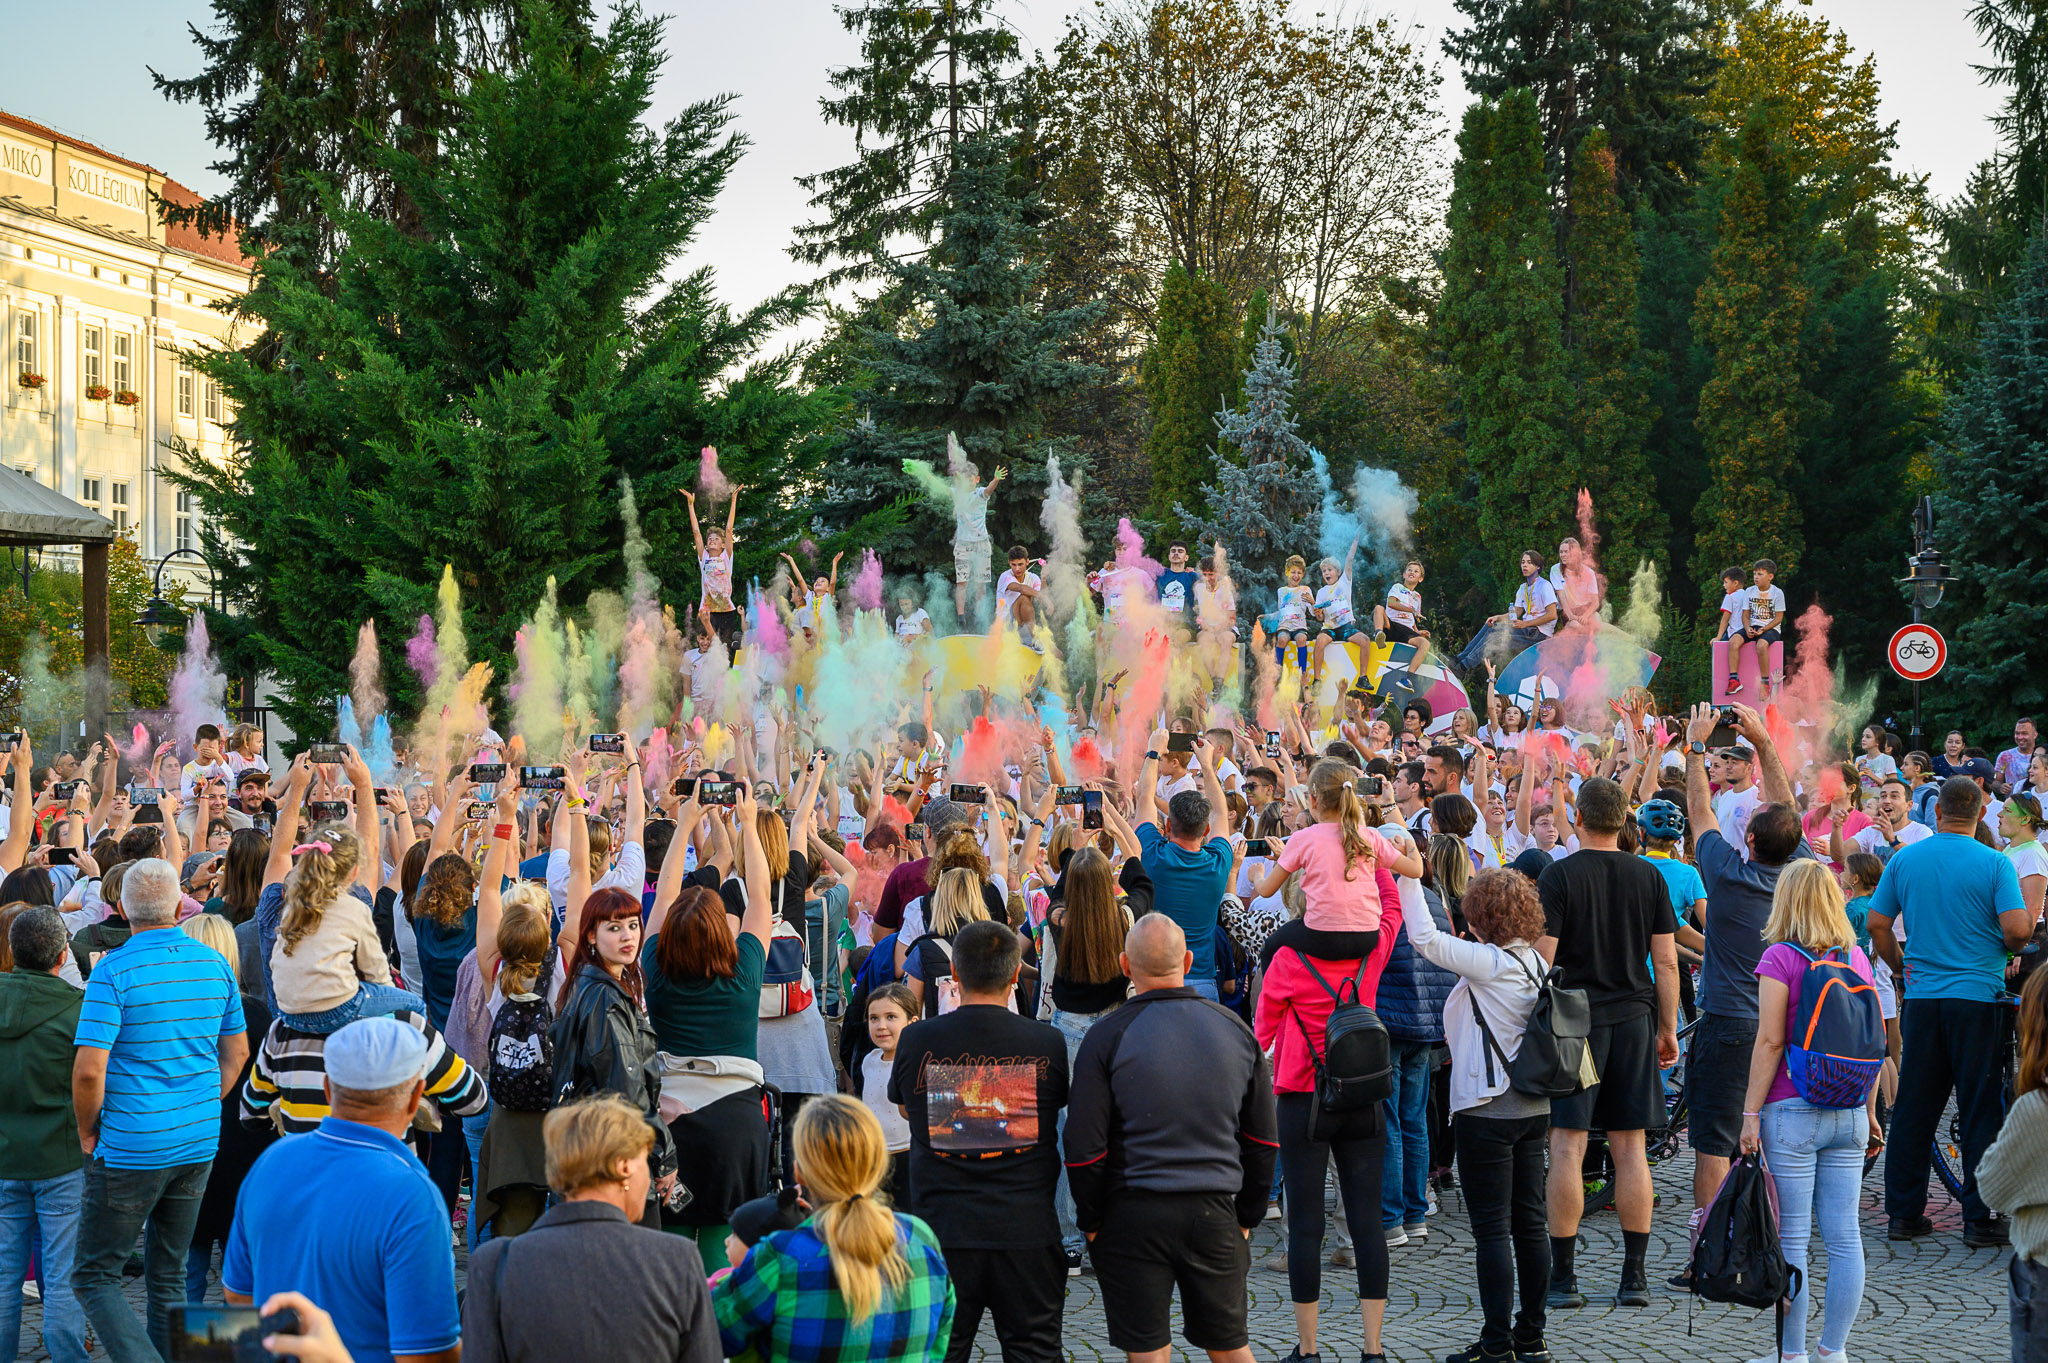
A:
286	1084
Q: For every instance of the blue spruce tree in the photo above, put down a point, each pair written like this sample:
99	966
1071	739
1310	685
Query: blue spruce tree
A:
1266	503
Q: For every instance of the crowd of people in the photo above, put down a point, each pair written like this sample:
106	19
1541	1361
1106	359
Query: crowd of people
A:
724	1043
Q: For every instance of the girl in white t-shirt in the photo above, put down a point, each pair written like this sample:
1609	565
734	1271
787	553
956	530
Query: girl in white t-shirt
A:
1288	624
891	1008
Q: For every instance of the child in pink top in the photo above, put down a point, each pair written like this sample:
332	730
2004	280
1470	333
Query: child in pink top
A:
1338	857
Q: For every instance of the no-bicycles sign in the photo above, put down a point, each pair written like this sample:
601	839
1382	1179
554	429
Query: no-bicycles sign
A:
1918	652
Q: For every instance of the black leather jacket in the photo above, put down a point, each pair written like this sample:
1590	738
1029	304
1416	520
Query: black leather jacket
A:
603	1043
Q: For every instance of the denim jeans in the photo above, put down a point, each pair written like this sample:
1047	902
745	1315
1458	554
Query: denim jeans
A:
1073	1026
369	1001
1815	1155
2027	1306
473	1129
1404	1174
1205	987
118	1204
53	1205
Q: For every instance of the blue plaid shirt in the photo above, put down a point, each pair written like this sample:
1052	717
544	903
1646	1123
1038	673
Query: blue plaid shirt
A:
782	1303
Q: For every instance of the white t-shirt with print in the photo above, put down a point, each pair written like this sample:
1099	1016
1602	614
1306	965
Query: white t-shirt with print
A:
717	573
1333	599
1868	839
1404	605
1760	607
918	622
970	517
1532	598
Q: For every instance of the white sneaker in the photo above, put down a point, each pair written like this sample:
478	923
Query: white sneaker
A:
1420	1232
1273	1212
1823	1356
1396	1236
1786	1358
30	1291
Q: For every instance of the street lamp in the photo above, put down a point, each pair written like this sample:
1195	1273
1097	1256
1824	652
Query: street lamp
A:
1927	576
160	619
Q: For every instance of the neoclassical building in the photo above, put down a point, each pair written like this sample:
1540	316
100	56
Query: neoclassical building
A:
98	300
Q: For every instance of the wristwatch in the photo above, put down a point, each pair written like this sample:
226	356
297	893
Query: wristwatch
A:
1151	754
1697	748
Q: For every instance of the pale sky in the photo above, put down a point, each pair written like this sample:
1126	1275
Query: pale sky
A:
773	54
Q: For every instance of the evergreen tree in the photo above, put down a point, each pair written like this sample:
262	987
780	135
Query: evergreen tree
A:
982	364
303	102
1991	469
1266	503
1750	315
468	393
931	75
1610	382
1634	67
1500	321
1188	372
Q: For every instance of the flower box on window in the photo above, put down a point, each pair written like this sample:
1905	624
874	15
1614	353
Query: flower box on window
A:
98	392
27	380
127	397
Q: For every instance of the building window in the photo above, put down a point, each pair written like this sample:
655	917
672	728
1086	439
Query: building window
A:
124	372
89	491
213	402
94	368
188	383
25	342
184	529
120	508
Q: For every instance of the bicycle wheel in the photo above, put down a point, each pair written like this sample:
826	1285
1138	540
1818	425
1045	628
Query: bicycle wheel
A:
1948	1152
1598	1177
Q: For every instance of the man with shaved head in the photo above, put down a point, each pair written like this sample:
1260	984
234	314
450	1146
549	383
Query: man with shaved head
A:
1170	1145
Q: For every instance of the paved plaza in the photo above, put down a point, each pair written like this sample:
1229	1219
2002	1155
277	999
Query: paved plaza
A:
1930	1301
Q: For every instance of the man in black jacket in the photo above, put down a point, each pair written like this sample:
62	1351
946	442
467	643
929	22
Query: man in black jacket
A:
1170	1145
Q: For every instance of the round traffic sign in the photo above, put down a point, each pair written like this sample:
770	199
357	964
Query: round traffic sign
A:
1918	652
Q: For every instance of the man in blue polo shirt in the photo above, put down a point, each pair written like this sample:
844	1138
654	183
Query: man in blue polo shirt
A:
161	1041
347	1215
1961	901
1190	862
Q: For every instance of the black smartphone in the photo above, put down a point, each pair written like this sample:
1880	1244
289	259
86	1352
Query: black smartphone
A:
1068	795
1272	742
326	755
1369	787
608	743
479	810
63	856
1091	809
1257	847
10	741
1180	742
541	778
724	793
327	811
914	832
145	795
65	790
684	786
486	773
225	1334
388	795
1727	729
967	795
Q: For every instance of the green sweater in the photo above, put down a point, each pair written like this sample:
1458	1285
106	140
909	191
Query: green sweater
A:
38	1028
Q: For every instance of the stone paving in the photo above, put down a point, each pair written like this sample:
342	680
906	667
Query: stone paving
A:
1928	1301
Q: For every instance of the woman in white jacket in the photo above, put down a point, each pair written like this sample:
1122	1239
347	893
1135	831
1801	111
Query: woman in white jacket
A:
1500	1134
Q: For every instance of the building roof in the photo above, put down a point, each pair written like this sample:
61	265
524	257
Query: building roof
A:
176	236
31	513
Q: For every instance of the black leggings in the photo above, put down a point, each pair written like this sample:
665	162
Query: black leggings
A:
1500	1162
1303	1162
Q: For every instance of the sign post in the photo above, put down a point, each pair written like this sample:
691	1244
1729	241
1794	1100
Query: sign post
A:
1917	653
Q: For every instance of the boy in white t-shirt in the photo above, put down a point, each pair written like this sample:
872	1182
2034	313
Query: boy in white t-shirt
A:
1734	600
970	535
1333	606
1017	592
1763	618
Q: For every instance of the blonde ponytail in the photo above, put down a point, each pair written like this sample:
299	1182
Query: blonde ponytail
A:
1330	788
320	877
842	1159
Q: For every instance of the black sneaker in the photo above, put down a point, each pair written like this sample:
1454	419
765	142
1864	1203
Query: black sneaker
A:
1634	1290
1990	1233
1295	1355
1075	1259
1532	1352
1680	1282
1908	1228
1564	1295
1479	1353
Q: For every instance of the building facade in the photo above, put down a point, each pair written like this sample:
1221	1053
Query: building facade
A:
102	306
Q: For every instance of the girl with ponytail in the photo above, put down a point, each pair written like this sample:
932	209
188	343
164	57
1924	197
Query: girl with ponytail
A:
1340	857
856	1280
328	968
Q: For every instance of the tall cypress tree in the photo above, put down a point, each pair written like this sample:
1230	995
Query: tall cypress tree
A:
1189	373
1634	67
1610	382
1991	467
932	74
1750	314
983	365
468	392
1500	320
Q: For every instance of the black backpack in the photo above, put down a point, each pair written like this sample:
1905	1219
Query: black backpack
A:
1553	1047
521	1051
1736	1254
1355	1066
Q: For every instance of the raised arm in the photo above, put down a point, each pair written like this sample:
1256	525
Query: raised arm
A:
759	919
831	856
1145	799
696	531
490	902
732	517
669	881
579	874
21	816
1212	787
1777	785
804	816
286	832
1120	831
369	820
1699	797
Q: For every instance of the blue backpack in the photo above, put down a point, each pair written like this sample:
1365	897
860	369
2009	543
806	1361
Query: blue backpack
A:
1836	1043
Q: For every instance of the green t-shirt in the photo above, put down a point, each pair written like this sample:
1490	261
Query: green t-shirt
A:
711	1016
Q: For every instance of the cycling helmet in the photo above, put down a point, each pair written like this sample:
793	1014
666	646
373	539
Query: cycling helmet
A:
1661	819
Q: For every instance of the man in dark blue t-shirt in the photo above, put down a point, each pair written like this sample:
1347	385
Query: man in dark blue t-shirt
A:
1190	862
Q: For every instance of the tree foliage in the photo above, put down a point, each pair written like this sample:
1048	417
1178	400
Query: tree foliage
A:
1189	373
44	610
469	392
